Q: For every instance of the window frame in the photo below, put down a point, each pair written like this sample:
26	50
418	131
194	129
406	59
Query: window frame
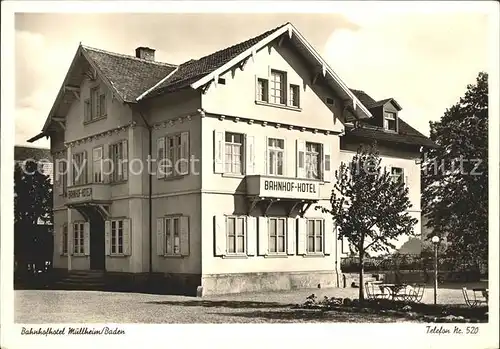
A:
244	235
388	117
270	235
65	239
315	236
283	87
263	90
294	96
177	153
100	164
117	176
82	180
272	149
78	238
399	175
242	154
169	221
319	155
114	229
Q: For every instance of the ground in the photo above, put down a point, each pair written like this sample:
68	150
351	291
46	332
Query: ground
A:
111	307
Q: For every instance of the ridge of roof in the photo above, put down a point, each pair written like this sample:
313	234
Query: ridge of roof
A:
122	55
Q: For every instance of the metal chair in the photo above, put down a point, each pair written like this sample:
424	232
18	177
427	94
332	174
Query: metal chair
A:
414	293
475	302
374	291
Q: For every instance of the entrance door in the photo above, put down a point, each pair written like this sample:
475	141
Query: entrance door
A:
97	242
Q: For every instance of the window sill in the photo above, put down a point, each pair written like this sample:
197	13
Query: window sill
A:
235	256
95	120
314	255
118	182
118	255
78	255
233	175
281	106
173	178
276	255
173	256
76	186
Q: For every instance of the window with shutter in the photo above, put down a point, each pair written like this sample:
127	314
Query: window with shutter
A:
78	238
277	235
117	233
220	235
219	151
236	235
160	158
176	236
315	236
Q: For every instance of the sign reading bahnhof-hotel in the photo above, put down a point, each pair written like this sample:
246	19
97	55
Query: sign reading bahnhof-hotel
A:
282	188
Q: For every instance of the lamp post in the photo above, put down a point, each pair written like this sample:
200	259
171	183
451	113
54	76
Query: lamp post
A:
435	241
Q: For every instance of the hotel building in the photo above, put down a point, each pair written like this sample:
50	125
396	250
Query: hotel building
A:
265	123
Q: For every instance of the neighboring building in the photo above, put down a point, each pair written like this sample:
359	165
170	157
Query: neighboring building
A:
265	118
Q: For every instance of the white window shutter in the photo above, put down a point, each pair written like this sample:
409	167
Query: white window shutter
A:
61	240
251	235
290	235
86	165
160	236
345	245
184	165
219	151
71	237
301	158
184	235
327	162
220	235
285	154
160	156
263	240
127	246
59	177
266	157
302	236
329	236
106	164
125	163
86	238
107	237
249	154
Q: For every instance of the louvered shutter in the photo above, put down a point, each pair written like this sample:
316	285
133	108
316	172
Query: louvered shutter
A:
61	240
160	236
184	232
184	165
251	235
249	154
327	162
160	158
71	237
86	238
263	240
291	234
300	158
125	160
107	237
301	236
127	242
220	235
219	151
329	236
266	157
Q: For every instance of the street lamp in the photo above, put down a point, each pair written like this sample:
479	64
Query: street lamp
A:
435	241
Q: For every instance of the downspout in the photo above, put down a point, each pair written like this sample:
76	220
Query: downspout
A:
150	199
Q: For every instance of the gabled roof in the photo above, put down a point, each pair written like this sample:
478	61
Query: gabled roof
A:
384	102
130	76
193	70
406	134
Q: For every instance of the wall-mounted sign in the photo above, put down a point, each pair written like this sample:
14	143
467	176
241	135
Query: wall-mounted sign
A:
282	188
80	193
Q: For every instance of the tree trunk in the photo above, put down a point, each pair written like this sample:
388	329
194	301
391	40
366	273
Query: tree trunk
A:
361	279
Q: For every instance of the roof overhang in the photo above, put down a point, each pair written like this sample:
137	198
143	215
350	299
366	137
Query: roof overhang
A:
331	77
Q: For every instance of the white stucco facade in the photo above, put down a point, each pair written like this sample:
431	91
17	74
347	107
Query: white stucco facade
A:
236	218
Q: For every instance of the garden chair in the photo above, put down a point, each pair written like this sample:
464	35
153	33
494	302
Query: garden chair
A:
472	302
414	293
374	291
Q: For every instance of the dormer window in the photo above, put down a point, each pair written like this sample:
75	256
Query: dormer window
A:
390	122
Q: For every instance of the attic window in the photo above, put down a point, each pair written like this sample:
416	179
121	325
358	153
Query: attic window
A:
330	101
221	81
390	122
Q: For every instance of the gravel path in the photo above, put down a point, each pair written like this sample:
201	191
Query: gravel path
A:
34	306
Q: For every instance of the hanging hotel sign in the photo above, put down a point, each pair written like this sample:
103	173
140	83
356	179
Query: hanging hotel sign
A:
282	188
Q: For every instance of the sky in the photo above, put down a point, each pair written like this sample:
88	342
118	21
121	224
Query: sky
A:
423	60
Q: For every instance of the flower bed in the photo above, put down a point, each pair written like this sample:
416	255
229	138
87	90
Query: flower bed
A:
410	310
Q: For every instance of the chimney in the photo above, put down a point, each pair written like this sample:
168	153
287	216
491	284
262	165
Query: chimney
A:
145	53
